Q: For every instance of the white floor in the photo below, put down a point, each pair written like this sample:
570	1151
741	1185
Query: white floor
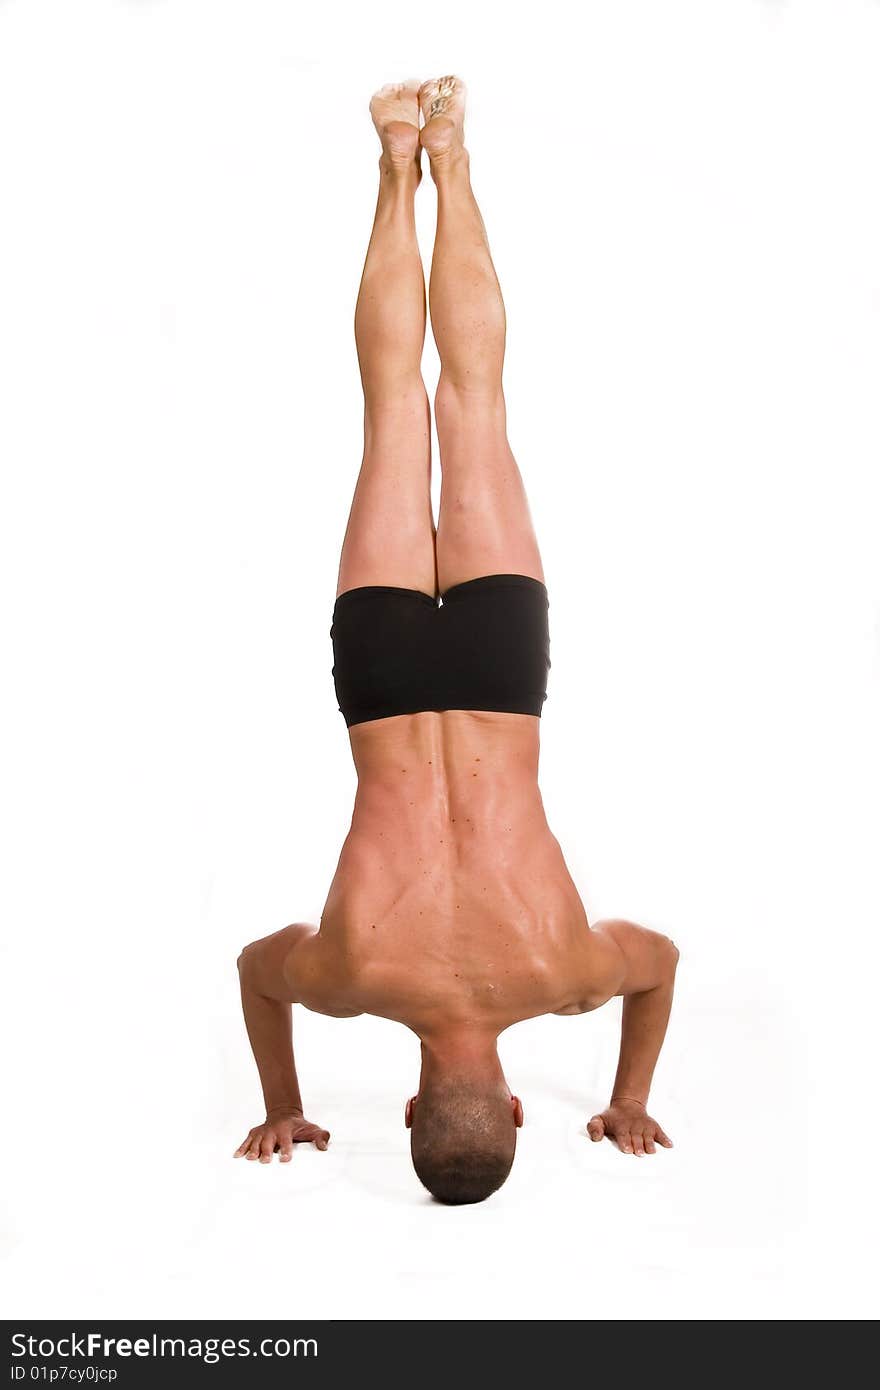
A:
145	1214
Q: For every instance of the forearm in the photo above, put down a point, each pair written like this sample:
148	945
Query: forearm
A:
269	1028
641	967
645	1018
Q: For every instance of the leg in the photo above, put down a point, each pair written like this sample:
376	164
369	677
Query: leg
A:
390	534
484	525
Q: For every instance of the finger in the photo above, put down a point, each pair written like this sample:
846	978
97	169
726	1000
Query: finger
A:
243	1147
649	1145
596	1128
624	1143
254	1149
663	1139
638	1145
267	1147
286	1149
306	1134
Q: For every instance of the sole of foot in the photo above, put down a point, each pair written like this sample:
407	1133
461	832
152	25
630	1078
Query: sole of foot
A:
395	112
442	103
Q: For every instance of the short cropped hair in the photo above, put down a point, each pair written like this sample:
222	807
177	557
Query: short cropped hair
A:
463	1140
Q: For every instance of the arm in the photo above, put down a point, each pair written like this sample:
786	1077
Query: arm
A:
644	964
267	996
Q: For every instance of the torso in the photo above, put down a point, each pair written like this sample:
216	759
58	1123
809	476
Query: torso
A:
451	899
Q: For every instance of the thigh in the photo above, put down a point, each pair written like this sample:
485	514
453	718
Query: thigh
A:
389	538
485	525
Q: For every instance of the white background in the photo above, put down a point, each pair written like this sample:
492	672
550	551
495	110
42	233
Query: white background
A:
683	204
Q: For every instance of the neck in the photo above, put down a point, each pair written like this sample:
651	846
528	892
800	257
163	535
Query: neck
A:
471	1055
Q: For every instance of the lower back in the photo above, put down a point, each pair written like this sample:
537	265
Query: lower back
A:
446	775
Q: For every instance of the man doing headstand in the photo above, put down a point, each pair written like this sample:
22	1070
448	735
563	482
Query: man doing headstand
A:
452	910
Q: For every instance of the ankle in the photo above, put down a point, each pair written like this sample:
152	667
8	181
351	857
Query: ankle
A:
400	150
400	172
450	164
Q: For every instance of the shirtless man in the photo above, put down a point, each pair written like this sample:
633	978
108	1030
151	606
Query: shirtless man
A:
452	909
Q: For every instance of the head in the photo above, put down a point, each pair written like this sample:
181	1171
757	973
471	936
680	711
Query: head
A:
463	1122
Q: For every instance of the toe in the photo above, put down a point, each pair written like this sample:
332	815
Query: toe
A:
442	96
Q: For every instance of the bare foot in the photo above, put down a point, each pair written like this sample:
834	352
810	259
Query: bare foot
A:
442	101
395	113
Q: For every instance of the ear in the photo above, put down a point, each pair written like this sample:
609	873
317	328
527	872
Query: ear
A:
408	1113
517	1111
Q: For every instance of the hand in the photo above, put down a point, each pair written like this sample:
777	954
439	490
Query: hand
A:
279	1135
630	1126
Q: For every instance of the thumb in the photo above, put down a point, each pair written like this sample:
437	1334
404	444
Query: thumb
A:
322	1139
596	1128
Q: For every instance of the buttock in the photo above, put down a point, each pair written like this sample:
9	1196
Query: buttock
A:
483	645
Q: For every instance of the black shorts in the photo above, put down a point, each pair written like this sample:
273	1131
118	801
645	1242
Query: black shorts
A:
485	646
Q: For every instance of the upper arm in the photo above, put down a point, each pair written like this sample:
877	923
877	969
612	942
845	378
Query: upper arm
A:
269	966
633	959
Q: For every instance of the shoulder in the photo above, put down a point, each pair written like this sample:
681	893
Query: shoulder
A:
594	972
631	958
617	957
272	965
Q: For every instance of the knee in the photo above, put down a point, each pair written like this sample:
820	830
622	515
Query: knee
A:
467	401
